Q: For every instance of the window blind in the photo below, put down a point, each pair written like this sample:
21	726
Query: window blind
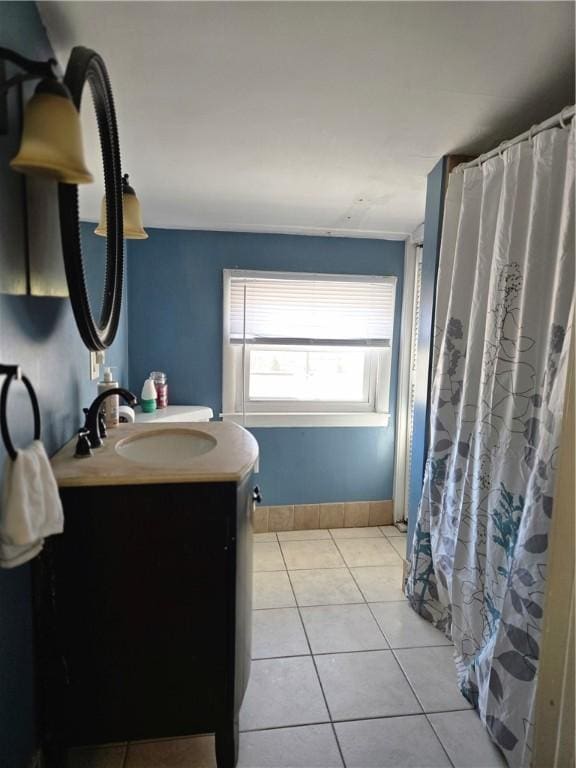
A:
327	310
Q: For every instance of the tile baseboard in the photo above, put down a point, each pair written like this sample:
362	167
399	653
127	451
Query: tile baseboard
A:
301	517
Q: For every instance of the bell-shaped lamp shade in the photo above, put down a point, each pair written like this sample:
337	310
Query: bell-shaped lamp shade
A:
51	143
102	228
133	229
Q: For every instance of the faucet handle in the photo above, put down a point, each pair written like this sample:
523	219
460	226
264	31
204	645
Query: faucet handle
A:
102	429
83	449
102	424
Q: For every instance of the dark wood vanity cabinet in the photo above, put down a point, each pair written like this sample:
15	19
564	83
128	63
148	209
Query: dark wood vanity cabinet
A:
144	615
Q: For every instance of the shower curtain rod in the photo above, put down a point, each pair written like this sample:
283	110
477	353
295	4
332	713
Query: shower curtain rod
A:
561	118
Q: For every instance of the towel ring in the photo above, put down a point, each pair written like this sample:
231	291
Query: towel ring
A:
563	123
12	452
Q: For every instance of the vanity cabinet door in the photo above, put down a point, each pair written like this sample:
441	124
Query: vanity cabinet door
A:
143	606
239	640
244	576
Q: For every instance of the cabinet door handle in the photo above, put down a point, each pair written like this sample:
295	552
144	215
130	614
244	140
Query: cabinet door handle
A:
256	495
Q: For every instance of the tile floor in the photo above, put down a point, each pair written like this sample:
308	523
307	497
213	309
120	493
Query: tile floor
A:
345	674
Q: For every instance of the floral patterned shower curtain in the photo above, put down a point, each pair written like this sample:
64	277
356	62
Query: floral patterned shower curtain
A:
503	323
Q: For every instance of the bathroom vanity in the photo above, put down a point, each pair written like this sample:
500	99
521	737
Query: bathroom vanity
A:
144	602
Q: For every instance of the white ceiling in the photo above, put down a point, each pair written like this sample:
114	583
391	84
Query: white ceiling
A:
312	117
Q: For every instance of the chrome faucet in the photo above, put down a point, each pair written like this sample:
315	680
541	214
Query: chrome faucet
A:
92	423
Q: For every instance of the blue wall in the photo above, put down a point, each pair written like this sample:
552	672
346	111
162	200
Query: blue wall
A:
40	334
175	317
430	254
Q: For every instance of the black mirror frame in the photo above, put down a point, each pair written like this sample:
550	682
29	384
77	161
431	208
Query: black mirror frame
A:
85	65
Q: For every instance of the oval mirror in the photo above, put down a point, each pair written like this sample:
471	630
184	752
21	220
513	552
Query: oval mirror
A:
94	265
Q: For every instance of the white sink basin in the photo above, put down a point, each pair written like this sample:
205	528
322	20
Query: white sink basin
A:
167	448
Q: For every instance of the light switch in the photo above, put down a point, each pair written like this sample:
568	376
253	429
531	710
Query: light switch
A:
94	366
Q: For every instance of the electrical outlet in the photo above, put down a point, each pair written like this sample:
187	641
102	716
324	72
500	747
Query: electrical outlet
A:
94	366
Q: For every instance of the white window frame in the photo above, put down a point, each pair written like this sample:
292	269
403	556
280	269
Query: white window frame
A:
237	407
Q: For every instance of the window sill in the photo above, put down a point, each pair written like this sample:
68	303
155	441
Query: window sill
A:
309	419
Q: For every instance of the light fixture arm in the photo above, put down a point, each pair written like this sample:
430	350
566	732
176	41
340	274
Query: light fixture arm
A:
35	70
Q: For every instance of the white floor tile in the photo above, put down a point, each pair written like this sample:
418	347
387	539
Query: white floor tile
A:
97	757
282	692
466	740
272	590
264	537
369	532
311	554
432	674
313	534
403	627
311	746
195	752
399	544
364	552
325	587
398	742
370	684
380	583
278	632
338	628
267	557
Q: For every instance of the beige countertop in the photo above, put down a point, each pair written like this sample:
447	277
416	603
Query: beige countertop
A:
233	457
175	413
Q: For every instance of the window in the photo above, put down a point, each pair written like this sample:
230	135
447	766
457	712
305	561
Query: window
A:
307	349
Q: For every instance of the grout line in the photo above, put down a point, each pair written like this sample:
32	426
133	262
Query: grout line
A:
315	666
353	720
343	653
379	565
331	535
359	588
332	568
395	565
408	680
392	650
328	605
331	721
395	657
315	605
282	727
438	738
307	568
370	609
280	658
365	602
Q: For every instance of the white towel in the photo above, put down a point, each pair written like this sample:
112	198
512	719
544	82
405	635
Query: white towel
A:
31	506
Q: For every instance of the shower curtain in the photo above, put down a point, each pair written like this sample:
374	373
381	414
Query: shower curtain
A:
503	322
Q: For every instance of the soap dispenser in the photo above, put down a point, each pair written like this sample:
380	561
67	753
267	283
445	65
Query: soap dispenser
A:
112	403
148	397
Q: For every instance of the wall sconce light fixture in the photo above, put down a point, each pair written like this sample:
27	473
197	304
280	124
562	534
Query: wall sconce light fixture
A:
51	143
133	229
